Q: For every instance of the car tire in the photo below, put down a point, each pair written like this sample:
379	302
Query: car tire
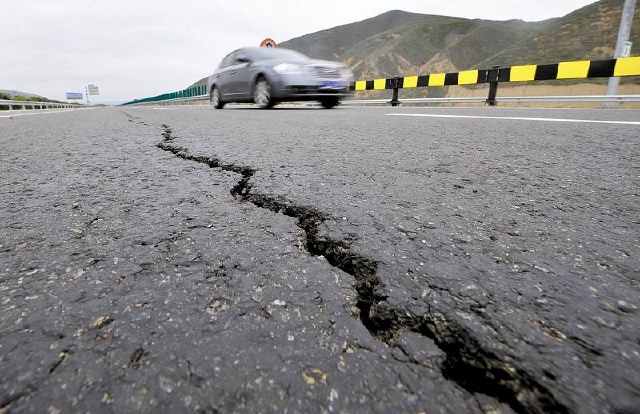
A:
262	94
329	103
215	99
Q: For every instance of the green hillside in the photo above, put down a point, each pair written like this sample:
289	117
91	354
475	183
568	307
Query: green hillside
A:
398	42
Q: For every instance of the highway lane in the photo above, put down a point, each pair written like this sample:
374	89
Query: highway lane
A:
473	263
31	112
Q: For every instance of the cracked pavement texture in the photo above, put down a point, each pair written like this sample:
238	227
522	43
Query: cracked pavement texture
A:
132	280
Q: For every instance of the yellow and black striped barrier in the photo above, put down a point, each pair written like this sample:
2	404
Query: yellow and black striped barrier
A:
581	69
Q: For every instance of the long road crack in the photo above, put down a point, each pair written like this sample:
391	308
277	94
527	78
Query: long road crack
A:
467	363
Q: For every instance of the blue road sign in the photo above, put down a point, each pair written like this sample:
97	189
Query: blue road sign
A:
74	95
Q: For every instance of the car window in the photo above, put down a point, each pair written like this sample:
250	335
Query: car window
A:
228	60
239	55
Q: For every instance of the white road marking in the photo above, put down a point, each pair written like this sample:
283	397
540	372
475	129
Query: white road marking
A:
520	118
513	108
41	113
167	108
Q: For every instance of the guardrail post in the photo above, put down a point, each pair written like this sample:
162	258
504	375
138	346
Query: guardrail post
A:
394	99
493	86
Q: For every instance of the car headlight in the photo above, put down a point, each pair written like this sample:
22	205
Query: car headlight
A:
288	68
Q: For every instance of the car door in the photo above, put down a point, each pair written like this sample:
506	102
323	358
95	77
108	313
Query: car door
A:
242	75
223	76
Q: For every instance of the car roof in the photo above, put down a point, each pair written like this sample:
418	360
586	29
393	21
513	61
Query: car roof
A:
260	49
265	51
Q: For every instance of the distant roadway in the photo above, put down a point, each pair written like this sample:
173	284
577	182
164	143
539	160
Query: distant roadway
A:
423	260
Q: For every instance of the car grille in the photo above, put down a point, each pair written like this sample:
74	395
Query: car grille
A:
326	72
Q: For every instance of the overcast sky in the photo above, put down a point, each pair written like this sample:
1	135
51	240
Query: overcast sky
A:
138	48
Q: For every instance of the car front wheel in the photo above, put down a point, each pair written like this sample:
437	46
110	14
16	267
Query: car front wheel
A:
262	94
330	102
215	99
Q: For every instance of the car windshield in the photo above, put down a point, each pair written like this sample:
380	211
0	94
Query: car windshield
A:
279	54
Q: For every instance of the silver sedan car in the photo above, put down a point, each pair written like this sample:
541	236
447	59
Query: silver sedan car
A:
268	76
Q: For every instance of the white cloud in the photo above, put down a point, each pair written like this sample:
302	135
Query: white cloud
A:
144	47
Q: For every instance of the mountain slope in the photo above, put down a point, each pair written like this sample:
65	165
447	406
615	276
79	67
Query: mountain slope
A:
399	42
12	94
332	43
587	33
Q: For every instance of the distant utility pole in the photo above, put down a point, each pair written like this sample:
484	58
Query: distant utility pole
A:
622	45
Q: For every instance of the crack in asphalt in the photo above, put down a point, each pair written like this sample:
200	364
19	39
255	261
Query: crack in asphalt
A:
135	360
62	356
6	402
466	362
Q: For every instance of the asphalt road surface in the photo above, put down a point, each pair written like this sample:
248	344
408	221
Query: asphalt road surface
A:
182	259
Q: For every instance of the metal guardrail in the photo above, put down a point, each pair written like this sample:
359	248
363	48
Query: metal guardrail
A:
34	105
176	101
194	92
480	99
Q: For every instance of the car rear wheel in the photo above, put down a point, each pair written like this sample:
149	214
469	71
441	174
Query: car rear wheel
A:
330	102
262	94
215	99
